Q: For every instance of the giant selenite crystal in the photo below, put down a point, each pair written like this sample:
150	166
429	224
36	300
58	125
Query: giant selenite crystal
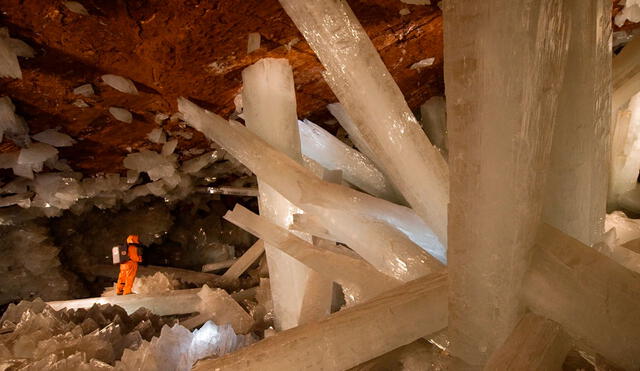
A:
576	192
594	298
359	280
222	308
387	235
269	103
356	74
357	169
178	349
502	80
625	145
535	344
351	336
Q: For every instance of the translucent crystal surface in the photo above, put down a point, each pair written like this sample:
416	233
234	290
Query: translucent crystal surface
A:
356	74
157	135
178	349
84	90
54	138
30	264
198	163
157	283
121	114
351	336
500	113
269	107
153	163
535	344
357	169
12	125
434	122
356	276
76	7
305	190
567	282
577	185
41	338
244	262
9	65
120	83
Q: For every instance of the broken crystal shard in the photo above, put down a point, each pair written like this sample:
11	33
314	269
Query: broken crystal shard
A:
121	114
217	266
15	186
25	171
36	153
9	65
356	276
57	189
535	344
357	169
576	189
269	106
178	349
630	12
434	122
566	282
157	188
76	7
54	138
23	200
12	124
625	151
253	42
84	90
132	176
120	83
244	262
153	163
356	74
223	309
351	336
499	146
423	63
304	189
627	229
158	283
611	247
169	147
157	135
21	48
232	191
198	163
80	103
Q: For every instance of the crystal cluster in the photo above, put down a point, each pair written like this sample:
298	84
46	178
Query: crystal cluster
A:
30	265
36	337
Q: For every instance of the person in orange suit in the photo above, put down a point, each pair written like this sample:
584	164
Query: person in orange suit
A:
129	268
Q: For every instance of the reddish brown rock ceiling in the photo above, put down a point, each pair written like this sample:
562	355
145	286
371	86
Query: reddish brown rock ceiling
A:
172	48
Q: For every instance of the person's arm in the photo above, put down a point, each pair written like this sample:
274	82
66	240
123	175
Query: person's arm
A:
133	254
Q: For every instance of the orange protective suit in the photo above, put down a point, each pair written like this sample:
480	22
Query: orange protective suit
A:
129	269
